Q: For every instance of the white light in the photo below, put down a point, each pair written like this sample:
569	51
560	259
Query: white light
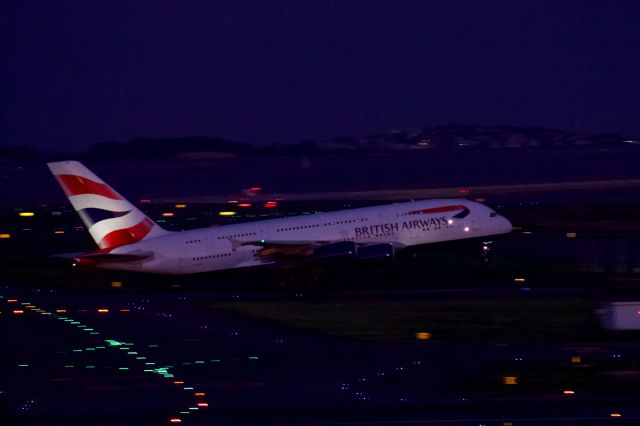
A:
466	229
450	221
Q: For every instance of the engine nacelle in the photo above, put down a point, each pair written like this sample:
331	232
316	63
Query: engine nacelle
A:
376	252
337	251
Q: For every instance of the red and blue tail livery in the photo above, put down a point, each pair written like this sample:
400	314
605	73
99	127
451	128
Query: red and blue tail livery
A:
111	220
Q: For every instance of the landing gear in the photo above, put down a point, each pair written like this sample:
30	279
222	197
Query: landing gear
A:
485	254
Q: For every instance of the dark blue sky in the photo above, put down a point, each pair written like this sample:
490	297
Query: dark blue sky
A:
79	72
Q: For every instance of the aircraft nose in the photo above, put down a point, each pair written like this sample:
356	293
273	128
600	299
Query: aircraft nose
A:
504	224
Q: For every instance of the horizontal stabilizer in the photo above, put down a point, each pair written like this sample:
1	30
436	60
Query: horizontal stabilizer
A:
106	257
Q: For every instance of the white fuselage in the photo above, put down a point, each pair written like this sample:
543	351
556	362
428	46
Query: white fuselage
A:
230	246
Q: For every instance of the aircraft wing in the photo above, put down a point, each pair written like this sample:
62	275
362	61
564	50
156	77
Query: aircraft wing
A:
294	252
283	252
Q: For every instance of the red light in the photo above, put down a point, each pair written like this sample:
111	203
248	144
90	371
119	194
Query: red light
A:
175	420
12	300
61	311
103	310
18	311
271	204
124	310
167	214
463	190
178	382
255	189
202	404
199	394
244	205
145	201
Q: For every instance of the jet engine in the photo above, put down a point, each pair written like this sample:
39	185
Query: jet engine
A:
337	251
376	252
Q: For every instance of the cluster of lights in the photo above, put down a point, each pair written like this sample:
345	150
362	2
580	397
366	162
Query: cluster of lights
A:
163	372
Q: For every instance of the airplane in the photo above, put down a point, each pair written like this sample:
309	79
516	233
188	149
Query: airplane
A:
129	240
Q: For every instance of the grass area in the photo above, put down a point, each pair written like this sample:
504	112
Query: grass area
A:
496	319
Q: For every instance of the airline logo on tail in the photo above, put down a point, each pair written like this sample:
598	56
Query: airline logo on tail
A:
111	220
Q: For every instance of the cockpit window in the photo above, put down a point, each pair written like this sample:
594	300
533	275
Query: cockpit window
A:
493	214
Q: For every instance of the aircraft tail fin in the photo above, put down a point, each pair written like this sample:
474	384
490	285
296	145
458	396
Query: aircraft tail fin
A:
111	220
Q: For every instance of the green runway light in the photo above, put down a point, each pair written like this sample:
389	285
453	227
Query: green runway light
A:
89	366
100	347
25	303
68	320
199	362
88	329
149	363
148	371
77	350
186	363
193	408
141	357
187	388
94	332
46	313
75	322
153	346
132	353
90	349
184	412
253	357
216	360
81	326
113	342
23	365
123	368
69	366
124	349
